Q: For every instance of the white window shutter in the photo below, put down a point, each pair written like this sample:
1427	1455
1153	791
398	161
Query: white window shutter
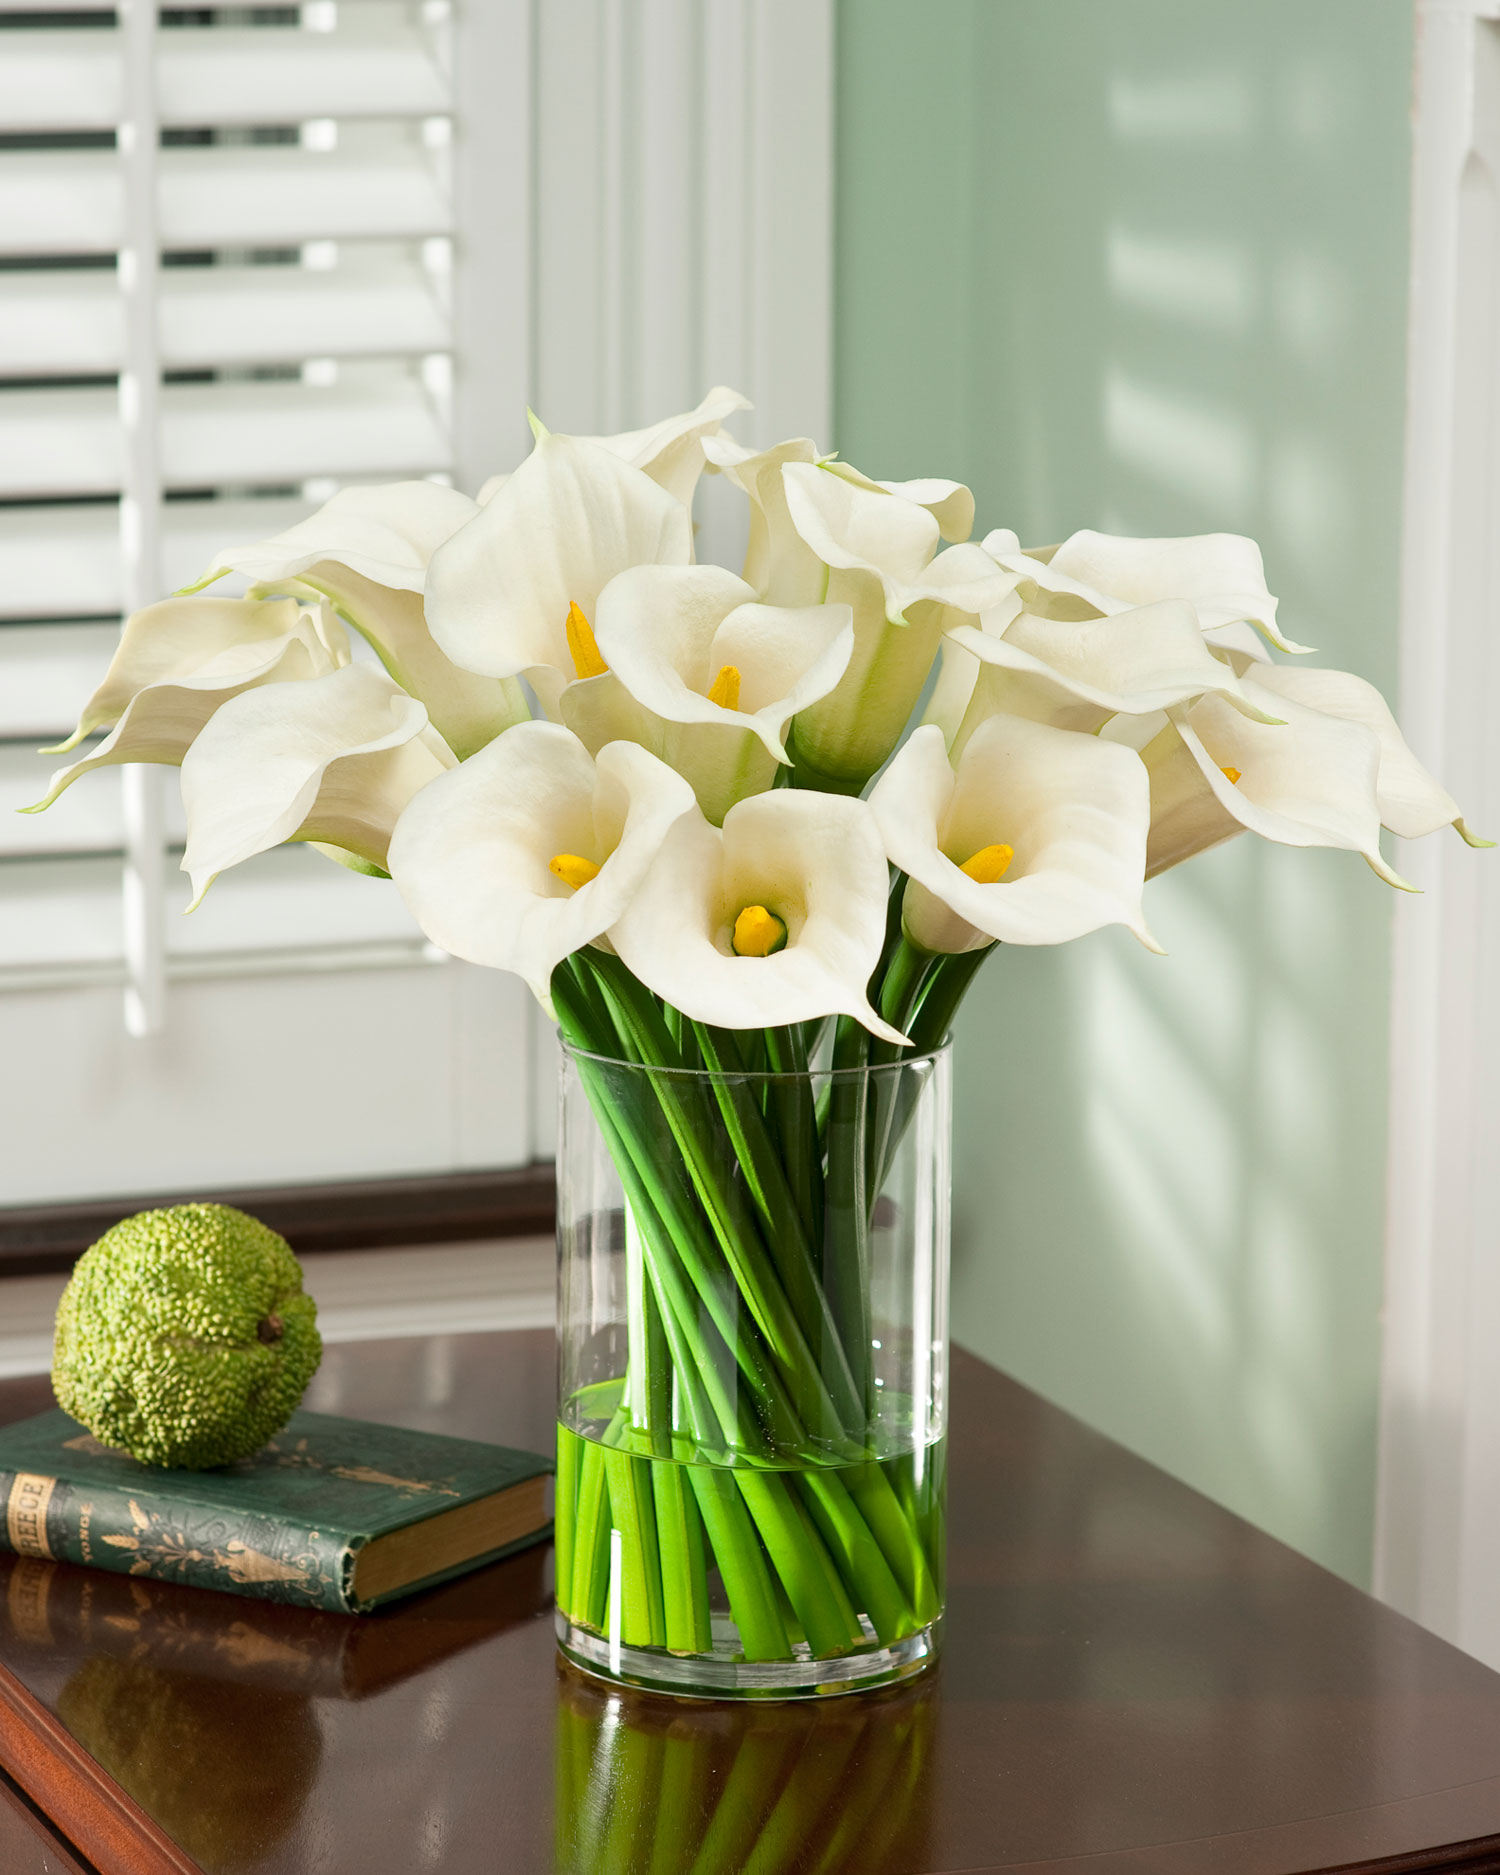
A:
359	237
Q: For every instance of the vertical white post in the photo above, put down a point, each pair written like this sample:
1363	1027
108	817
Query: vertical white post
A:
144	880
493	189
1437	1537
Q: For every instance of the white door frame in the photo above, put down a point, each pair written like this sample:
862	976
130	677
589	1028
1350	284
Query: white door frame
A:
1437	1544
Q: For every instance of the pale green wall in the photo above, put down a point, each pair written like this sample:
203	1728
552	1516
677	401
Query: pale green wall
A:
1140	265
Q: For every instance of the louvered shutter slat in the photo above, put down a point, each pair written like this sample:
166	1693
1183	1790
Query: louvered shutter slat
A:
69	201
69	322
64	563
61	911
53	81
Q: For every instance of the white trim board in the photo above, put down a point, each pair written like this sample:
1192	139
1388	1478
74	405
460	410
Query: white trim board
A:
1437	1544
362	1295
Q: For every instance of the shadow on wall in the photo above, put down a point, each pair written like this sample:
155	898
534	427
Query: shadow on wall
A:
1153	281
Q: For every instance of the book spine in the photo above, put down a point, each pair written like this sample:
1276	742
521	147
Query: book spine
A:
134	1533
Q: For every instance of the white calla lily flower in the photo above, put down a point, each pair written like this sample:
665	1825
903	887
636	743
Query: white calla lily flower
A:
1410	801
180	660
332	762
672	452
881	552
779	564
1078	673
368	550
777	917
1341	772
533	848
1221	575
711	678
515	591
950	504
1308	781
1036	835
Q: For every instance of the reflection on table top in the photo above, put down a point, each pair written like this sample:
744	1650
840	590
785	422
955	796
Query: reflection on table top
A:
1134	1680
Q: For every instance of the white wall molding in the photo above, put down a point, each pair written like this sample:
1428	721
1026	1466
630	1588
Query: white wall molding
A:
362	1295
1438	1514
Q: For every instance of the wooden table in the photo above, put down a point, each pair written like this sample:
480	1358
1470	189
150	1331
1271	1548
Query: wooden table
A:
1135	1683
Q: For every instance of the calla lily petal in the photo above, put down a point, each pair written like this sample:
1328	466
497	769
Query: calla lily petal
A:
813	861
673	637
667	632
1221	575
880	550
1410	801
570	518
1069	812
950	504
466	710
368	551
1078	673
672	452
386	535
180	660
333	761
1309	781
473	854
779	564
169	641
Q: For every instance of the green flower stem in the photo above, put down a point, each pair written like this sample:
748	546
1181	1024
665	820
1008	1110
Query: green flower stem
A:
792	1115
632	1506
812	1582
588	1583
684	1563
899	1537
790	1250
846	1217
742	1564
683	1264
859	1556
728	1210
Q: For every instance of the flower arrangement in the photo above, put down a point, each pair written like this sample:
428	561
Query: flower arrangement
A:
683	804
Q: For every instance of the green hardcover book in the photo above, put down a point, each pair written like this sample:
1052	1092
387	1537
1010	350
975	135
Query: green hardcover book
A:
333	1513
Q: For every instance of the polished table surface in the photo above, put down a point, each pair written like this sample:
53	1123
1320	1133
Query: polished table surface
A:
1134	1681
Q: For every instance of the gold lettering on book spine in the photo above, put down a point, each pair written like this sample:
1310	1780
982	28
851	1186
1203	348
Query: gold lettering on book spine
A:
26	1515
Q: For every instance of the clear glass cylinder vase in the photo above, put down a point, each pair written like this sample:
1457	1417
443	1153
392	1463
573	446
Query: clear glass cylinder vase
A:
752	1374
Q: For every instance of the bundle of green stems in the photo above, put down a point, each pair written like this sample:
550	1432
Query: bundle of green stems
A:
747	1433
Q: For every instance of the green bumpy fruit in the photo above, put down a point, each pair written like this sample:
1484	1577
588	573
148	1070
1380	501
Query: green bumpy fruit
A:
184	1337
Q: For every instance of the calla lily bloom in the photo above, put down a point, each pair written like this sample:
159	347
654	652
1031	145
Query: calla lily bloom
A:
881	552
672	452
332	762
1221	575
779	564
1411	803
950	504
705	677
777	917
1036	835
533	848
1334	771
516	590
368	549
1078	673
1308	781
180	660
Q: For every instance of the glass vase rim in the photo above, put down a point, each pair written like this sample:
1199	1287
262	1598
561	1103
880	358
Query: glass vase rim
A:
943	1051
